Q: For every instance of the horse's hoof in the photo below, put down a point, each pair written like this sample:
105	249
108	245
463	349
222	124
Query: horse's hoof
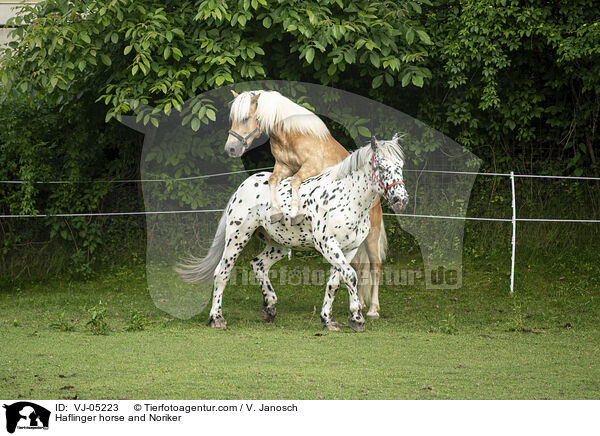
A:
217	323
372	315
332	326
268	313
298	219
276	217
356	325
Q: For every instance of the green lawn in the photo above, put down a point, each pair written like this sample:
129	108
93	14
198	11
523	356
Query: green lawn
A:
474	343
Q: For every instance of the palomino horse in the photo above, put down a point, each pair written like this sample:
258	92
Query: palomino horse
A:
337	207
303	147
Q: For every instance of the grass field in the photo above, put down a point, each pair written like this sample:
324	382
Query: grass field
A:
473	343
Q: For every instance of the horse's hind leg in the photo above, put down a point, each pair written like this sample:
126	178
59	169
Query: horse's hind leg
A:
326	311
372	243
261	265
236	239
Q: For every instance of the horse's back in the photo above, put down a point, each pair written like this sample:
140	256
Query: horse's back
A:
253	192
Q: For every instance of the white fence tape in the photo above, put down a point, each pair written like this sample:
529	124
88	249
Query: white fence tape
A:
58	182
62	182
513	220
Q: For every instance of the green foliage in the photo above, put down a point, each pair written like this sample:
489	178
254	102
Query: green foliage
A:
162	54
136	321
75	144
517	83
520	82
447	326
76	65
63	323
516	322
98	323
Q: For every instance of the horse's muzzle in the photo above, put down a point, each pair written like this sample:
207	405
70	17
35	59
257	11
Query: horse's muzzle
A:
399	204
234	149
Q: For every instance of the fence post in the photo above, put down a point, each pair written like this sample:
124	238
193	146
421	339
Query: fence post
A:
514	233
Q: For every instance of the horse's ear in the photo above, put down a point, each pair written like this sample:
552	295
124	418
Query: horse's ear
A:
398	137
373	143
235	94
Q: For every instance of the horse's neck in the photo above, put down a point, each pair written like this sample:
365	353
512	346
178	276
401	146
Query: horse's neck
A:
285	153
360	182
295	149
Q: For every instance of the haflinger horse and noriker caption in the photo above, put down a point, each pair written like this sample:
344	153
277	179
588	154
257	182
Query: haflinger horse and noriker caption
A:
336	205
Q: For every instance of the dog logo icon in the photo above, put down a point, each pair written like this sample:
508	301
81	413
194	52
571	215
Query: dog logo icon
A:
26	415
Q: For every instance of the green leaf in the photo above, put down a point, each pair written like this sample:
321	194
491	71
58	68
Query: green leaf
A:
374	58
417	80
105	60
424	37
389	79
377	81
267	21
177	54
195	124
349	57
406	79
416	7
410	36
364	131
310	54
85	37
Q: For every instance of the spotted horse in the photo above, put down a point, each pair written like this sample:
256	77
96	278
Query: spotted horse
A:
337	204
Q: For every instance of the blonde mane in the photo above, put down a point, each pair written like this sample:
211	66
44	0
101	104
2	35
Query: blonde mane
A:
389	150
273	110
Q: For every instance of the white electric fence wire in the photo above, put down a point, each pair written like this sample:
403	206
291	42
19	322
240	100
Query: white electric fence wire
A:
513	220
56	182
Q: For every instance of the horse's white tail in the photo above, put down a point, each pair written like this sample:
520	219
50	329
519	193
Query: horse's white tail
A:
361	260
197	270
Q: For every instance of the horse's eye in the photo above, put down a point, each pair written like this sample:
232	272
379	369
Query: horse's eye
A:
245	120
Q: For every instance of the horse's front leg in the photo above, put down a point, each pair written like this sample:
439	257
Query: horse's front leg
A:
327	309
331	250
303	173
280	172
